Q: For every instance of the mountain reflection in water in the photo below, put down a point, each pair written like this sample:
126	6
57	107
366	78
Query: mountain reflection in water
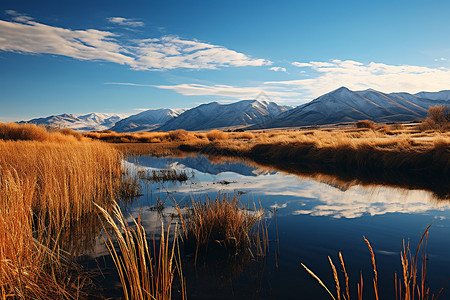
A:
317	216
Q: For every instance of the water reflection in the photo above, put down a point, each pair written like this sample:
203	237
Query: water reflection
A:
292	194
318	215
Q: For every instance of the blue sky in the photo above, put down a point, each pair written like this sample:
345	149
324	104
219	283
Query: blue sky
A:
121	57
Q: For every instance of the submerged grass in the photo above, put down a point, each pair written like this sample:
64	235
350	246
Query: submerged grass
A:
225	222
412	284
144	274
163	175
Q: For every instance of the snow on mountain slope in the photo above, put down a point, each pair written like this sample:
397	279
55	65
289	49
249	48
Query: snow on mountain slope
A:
340	105
344	105
216	115
442	95
147	120
88	122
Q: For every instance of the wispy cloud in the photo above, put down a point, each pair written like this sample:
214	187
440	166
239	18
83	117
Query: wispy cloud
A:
130	84
126	22
18	17
168	52
278	69
327	76
227	90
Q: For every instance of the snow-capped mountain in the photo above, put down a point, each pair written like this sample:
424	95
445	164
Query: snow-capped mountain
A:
89	122
344	105
442	95
216	115
341	105
147	120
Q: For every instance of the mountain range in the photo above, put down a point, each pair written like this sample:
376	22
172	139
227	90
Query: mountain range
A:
88	122
344	105
216	115
340	105
147	120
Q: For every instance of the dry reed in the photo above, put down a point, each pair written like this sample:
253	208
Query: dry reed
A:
225	222
47	185
143	275
409	287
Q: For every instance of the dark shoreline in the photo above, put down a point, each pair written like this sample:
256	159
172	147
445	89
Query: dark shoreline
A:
409	169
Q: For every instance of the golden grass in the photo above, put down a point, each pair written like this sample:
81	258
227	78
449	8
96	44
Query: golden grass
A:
217	135
31	132
146	137
395	154
412	285
143	275
47	186
224	221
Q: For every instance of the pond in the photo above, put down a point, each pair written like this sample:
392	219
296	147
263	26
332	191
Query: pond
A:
316	217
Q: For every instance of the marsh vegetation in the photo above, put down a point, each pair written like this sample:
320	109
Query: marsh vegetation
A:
60	191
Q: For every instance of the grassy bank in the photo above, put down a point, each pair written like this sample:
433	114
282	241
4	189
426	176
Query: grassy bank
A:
48	182
398	155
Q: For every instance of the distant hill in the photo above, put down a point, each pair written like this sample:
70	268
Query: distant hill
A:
147	120
344	105
442	95
89	122
216	115
340	105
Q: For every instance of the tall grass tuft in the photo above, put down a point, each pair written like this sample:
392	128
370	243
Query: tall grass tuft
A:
365	124
411	285
31	132
226	222
216	135
47	185
143	275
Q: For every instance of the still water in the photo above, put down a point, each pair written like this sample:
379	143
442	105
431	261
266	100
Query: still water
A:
316	218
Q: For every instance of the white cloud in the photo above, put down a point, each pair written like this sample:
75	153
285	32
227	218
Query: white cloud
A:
18	17
440	59
278	69
356	201
358	76
300	65
125	22
128	83
168	52
226	90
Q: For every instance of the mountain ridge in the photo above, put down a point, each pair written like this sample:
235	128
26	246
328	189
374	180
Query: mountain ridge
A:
148	120
215	115
337	106
82	123
344	105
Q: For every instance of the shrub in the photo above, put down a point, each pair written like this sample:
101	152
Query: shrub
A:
179	134
365	124
216	135
439	118
245	135
32	132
